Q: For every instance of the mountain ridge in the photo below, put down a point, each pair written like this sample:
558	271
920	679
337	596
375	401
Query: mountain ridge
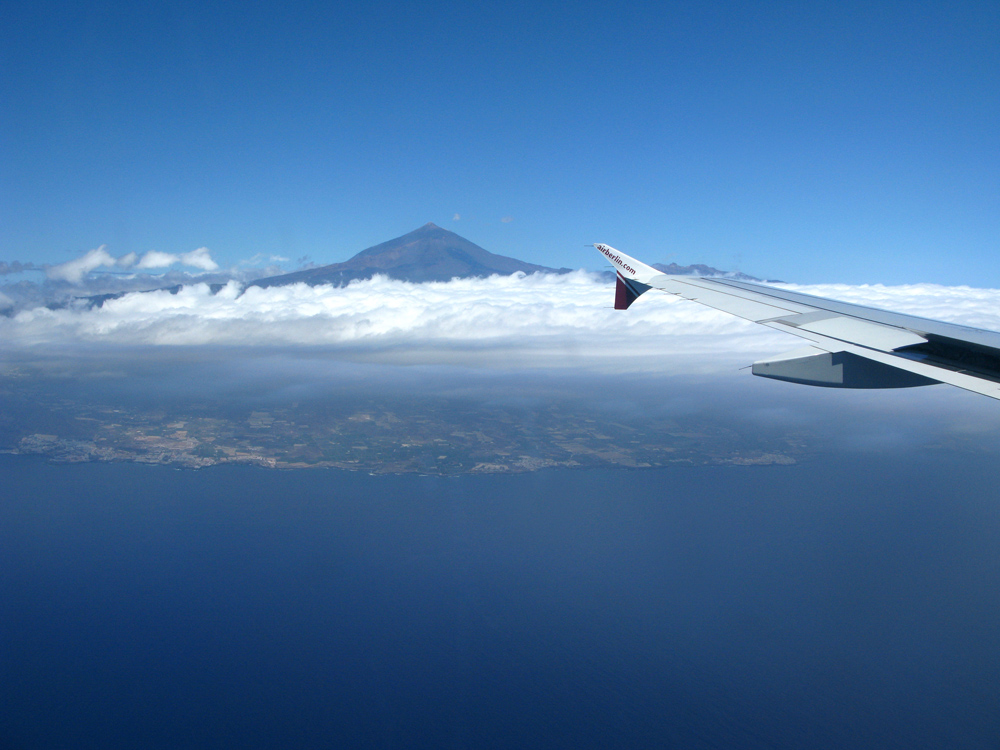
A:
700	269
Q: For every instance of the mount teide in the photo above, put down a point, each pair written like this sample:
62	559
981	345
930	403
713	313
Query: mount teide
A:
429	253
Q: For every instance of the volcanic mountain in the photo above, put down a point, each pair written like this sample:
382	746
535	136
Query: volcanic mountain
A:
429	253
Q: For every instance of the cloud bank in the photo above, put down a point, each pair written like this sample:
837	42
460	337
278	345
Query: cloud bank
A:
538	320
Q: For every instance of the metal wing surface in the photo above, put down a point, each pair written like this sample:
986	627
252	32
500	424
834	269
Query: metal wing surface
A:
850	346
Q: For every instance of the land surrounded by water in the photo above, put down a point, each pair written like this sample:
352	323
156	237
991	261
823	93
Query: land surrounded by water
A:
433	435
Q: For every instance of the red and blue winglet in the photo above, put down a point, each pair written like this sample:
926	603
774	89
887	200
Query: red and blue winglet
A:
628	291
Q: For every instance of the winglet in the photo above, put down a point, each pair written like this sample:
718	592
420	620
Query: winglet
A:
627	292
629	268
631	274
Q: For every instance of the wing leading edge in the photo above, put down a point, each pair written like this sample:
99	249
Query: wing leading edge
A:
850	346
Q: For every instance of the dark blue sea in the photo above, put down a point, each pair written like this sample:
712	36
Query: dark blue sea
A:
842	602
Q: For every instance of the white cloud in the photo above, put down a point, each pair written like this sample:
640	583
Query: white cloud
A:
200	258
507	219
456	217
541	319
156	259
74	271
537	321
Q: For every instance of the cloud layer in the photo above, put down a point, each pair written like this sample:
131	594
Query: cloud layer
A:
539	320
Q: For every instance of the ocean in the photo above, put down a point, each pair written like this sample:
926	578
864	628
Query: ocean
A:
847	601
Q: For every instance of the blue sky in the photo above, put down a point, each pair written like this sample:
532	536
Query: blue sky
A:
809	142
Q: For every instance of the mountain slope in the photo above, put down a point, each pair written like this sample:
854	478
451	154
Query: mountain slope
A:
429	253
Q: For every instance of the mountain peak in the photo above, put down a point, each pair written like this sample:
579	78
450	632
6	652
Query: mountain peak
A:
428	253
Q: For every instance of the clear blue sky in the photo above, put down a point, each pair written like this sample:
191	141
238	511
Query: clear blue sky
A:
811	142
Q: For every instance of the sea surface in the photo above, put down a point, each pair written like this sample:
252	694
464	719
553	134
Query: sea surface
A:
847	601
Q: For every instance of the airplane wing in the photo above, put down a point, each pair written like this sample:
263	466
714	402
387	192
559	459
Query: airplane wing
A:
850	346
